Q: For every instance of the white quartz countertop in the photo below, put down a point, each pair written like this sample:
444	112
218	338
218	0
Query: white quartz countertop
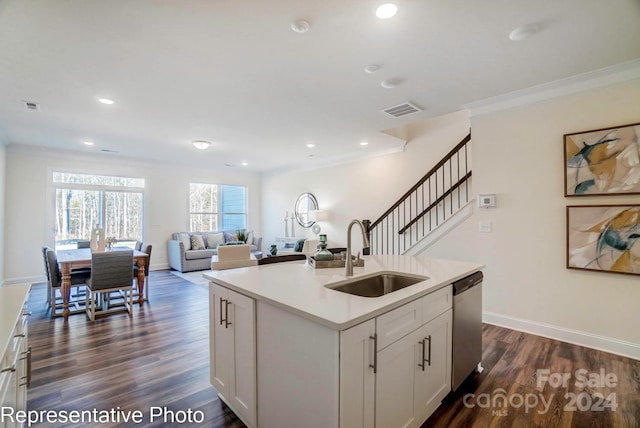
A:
300	288
12	298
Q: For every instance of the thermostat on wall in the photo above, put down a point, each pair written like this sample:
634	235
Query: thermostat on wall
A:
486	201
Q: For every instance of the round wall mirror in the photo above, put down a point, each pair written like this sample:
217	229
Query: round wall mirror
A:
305	203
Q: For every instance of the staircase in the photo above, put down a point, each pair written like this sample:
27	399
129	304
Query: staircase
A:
428	205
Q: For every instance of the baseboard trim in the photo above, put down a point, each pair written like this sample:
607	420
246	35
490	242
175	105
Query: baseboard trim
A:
25	280
38	279
576	337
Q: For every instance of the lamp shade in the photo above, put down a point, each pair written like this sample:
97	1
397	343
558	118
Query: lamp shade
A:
318	215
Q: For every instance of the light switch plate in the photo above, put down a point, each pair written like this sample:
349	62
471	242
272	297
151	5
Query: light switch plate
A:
484	226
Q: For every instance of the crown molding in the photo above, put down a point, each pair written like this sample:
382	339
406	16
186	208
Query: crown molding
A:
609	76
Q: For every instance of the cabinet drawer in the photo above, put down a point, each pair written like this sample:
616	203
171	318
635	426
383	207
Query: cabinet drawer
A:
436	303
399	322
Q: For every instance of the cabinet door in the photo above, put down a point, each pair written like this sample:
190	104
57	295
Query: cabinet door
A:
395	383
357	377
220	340
433	382
242	394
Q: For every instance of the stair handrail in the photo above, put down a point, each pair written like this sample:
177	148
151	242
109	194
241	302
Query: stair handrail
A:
432	171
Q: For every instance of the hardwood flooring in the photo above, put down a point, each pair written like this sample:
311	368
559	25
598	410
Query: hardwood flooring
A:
160	358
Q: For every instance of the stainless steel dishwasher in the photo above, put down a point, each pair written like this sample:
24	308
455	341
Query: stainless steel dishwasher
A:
467	328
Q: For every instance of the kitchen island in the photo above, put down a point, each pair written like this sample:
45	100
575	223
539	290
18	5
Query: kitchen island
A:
288	351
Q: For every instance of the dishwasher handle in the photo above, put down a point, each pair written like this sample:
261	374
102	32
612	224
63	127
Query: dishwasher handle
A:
466	283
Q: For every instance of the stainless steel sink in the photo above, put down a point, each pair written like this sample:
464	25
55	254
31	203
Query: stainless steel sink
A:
376	285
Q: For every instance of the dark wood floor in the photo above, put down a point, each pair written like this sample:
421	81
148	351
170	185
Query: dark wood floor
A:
160	358
511	361
157	358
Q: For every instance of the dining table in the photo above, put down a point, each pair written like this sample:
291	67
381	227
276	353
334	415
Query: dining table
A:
81	257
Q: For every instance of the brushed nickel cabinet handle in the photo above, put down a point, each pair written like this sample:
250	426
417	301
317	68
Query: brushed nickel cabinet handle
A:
29	366
221	300
374	366
226	314
421	363
429	340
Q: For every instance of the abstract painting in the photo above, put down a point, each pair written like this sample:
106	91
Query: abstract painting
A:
603	161
604	238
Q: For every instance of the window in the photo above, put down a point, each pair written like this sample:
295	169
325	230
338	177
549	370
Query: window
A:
217	207
84	201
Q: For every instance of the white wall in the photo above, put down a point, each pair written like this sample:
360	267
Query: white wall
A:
362	189
30	201
3	167
518	154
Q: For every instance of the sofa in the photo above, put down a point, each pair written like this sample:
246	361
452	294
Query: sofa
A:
184	256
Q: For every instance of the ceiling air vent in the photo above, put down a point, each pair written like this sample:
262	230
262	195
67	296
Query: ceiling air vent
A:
401	110
31	105
109	151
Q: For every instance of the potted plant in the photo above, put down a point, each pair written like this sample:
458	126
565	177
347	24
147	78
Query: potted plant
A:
242	235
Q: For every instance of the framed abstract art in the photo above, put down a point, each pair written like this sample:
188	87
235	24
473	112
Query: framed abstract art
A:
604	238
603	161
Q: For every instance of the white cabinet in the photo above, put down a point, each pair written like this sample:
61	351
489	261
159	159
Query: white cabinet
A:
414	375
433	377
15	357
357	376
396	369
233	350
392	370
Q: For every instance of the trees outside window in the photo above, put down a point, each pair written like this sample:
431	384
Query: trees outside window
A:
85	201
217	207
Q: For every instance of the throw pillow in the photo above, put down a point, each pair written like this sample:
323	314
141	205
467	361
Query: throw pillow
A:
299	245
214	239
230	237
186	240
197	242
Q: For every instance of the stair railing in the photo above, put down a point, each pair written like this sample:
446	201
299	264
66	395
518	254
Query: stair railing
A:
434	198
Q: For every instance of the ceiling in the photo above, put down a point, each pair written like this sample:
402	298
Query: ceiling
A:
234	73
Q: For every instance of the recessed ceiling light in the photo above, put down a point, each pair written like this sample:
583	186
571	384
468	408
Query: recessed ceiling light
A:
386	10
106	101
300	26
390	83
524	32
201	144
364	143
88	143
311	145
370	69
244	163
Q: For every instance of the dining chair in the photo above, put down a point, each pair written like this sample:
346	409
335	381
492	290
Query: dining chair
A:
110	271
46	271
145	248
54	283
